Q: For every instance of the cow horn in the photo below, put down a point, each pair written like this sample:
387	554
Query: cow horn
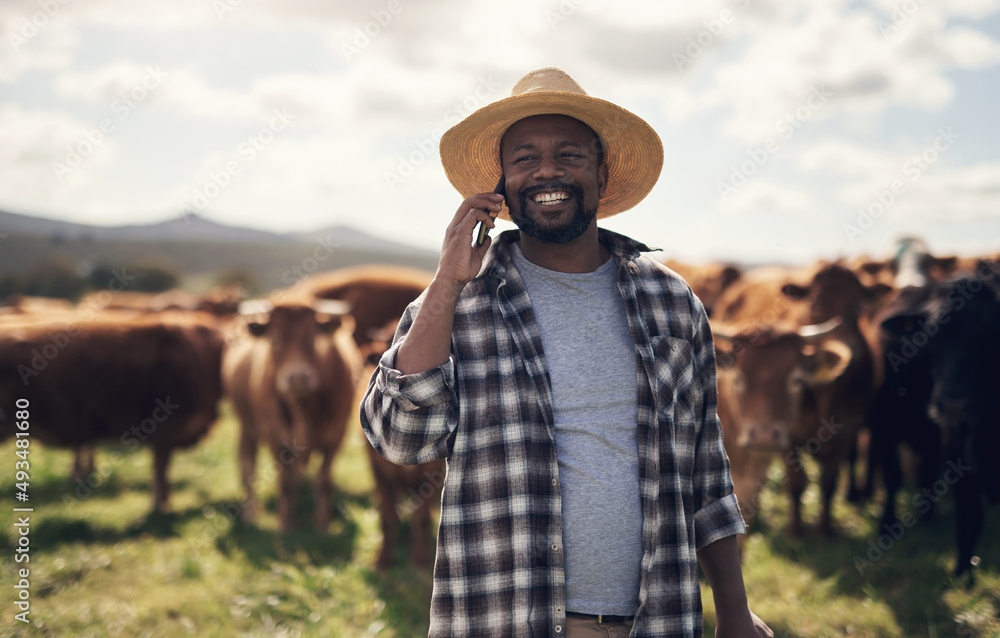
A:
829	374
817	330
723	331
255	307
332	306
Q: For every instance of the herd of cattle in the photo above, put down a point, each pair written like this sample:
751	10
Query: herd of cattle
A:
832	360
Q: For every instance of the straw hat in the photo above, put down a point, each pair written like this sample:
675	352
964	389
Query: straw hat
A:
470	150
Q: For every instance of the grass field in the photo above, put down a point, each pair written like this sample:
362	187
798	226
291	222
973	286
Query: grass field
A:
102	566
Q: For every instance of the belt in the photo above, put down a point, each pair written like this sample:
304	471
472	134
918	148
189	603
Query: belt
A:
601	619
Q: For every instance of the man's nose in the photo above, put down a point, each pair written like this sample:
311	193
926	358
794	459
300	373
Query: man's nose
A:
548	168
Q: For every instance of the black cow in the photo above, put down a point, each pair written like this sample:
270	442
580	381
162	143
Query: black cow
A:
957	327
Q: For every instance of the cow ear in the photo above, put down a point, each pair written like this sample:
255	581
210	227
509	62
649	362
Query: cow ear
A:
873	267
877	292
944	265
903	325
795	291
256	328
329	323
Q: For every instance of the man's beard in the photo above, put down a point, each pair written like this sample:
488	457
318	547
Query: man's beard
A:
576	226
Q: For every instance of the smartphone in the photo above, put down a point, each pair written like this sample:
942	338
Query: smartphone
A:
499	190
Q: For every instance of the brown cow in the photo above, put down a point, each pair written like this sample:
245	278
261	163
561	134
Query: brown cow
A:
402	489
221	301
707	281
767	380
150	380
377	294
293	386
821	418
24	305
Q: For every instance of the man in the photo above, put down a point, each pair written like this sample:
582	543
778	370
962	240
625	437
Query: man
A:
570	383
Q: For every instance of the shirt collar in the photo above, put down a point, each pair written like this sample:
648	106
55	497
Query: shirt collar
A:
498	259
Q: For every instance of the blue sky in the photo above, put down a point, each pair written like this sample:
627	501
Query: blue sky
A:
792	130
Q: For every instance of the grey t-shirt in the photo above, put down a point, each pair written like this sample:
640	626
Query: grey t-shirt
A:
592	364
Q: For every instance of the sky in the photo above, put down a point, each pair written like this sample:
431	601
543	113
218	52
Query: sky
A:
792	129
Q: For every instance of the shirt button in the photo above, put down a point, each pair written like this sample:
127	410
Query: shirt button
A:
555	547
674	347
555	482
558	610
558	629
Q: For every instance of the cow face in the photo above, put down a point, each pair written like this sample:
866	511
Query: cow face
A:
295	332
769	377
835	291
957	327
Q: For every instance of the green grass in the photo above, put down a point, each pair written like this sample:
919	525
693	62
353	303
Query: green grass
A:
101	565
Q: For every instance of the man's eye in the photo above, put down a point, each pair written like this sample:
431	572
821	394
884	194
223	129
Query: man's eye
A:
523	158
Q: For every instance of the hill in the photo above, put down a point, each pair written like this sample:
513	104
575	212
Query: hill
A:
197	249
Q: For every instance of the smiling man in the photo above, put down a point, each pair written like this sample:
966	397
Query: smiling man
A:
569	381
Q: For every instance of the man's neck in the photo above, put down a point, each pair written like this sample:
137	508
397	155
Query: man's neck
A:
583	254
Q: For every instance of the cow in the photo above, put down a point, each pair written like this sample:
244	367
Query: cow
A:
898	412
772	383
402	489
377	294
707	281
221	301
957	327
802	347
24	305
292	384
152	380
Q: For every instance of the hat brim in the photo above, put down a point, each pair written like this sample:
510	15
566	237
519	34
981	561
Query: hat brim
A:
470	150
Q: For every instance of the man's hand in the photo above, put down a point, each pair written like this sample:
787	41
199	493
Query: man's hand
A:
733	618
754	627
460	259
428	343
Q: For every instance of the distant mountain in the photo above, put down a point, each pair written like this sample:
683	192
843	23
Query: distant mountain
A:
199	250
345	236
197	229
188	228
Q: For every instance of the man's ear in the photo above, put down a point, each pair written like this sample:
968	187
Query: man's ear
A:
602	179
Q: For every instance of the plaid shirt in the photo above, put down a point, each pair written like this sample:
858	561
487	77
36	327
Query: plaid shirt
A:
488	411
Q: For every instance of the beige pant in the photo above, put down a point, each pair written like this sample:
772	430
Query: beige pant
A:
588	628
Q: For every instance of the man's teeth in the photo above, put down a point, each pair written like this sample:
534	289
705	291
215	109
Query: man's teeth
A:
547	198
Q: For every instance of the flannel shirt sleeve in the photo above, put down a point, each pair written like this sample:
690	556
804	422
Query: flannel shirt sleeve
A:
717	513
409	418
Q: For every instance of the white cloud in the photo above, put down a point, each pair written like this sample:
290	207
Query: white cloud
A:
48	157
758	195
779	56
